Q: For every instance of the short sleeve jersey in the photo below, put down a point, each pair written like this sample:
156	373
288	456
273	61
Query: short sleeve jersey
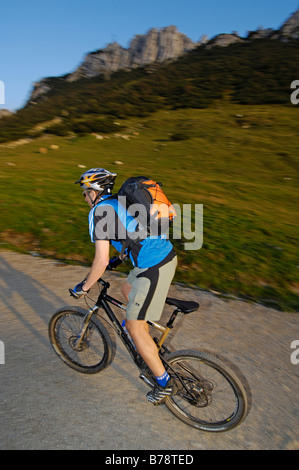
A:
109	220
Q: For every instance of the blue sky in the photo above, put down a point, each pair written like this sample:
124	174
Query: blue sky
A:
42	38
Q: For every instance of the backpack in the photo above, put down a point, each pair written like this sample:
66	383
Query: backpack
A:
155	213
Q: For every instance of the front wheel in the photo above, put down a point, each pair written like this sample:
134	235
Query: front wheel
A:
94	352
210	396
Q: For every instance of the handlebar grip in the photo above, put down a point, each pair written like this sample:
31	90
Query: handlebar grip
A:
73	294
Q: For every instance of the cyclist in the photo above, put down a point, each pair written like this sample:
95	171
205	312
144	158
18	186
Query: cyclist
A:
147	284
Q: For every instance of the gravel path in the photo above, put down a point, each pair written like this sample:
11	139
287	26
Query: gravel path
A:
46	405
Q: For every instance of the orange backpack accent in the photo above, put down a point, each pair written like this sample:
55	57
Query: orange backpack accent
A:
161	206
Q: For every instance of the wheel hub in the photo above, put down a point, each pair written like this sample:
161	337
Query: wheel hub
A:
73	342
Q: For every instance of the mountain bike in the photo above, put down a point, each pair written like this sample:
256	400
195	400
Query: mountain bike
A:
210	396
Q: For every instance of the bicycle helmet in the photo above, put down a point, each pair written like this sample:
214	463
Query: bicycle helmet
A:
98	179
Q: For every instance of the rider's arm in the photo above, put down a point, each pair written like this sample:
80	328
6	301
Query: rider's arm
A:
100	262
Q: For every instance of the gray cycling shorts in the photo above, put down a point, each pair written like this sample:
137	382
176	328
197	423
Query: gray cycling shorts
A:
149	289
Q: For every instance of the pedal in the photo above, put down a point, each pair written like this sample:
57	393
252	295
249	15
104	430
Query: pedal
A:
146	380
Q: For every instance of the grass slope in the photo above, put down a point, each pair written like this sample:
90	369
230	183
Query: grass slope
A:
240	162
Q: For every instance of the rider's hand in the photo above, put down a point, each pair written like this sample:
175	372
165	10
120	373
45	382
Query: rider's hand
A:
78	289
113	263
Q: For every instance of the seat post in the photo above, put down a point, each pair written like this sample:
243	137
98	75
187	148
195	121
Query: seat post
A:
172	318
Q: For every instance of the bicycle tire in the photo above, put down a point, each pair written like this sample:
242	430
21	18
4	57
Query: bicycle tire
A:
97	350
213	384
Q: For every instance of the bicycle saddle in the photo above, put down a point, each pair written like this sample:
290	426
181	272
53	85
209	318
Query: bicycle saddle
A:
184	305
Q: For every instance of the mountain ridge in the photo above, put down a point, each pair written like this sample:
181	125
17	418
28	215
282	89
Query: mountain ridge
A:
155	47
158	46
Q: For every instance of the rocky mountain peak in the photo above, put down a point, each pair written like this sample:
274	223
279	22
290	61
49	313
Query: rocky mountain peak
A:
157	46
290	29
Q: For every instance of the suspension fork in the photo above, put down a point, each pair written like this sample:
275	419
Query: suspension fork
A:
81	336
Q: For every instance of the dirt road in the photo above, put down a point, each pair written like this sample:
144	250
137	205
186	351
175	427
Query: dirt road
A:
46	405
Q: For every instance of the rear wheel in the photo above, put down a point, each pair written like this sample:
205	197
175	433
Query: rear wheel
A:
94	352
210	396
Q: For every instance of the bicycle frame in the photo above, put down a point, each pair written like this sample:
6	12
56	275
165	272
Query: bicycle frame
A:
103	302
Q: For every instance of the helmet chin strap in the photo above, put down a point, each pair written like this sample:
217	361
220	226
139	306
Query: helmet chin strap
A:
92	202
99	193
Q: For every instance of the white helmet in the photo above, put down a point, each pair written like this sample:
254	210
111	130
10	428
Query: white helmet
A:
97	179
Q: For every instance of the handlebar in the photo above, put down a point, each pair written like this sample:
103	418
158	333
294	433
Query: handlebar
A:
101	281
105	284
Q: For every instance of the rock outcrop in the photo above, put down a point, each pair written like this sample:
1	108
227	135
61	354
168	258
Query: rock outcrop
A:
289	30
156	46
39	88
108	60
224	40
5	112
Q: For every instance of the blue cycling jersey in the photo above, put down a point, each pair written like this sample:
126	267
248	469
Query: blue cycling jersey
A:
109	220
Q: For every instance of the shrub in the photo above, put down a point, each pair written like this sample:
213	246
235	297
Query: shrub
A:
179	136
58	129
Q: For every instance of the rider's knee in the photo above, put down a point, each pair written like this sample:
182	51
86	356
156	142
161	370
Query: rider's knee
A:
125	290
135	327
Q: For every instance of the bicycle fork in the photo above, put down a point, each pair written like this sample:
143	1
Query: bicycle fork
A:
81	336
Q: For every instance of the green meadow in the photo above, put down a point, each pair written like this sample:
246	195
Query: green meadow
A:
239	161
